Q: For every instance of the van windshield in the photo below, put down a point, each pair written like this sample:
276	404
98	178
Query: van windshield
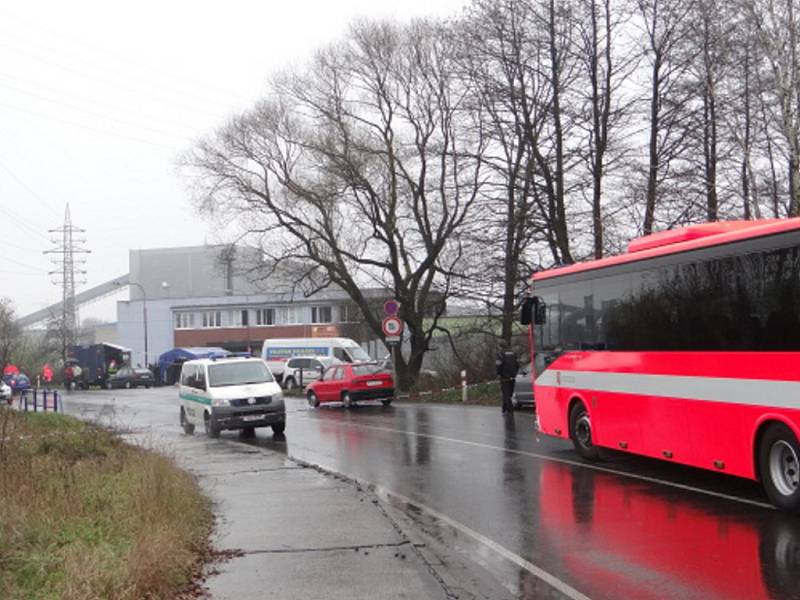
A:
238	373
357	353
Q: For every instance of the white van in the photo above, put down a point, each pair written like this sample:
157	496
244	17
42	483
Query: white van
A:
230	393
276	352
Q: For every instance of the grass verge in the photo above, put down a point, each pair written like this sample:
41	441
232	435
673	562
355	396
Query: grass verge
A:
486	394
85	515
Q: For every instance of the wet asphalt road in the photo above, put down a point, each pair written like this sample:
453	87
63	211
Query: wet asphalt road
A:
524	507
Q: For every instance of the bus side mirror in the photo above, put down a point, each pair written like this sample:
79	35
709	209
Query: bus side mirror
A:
526	311
533	310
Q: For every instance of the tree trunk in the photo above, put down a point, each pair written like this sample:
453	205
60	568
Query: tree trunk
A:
652	172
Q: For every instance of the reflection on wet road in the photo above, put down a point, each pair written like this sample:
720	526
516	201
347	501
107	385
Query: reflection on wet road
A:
528	510
604	535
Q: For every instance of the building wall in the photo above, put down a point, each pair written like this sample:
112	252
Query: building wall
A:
194	280
253	336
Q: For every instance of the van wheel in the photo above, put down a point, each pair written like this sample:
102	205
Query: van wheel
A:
779	463
313	401
279	428
211	429
580	431
188	428
347	400
290	384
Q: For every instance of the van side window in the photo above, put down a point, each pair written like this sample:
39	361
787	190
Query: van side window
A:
341	355
187	374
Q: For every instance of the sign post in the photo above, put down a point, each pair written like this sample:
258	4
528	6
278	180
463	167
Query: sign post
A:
393	332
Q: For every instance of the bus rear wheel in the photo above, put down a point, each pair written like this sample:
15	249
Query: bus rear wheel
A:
580	432
779	465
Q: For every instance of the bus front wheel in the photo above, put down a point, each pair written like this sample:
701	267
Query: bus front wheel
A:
580	432
779	465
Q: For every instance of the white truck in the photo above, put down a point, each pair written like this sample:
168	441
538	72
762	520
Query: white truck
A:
277	351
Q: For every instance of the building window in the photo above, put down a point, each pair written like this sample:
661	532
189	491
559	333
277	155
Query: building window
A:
212	318
321	314
184	320
265	316
290	315
238	318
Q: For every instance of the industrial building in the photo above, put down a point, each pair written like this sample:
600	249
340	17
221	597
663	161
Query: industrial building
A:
213	296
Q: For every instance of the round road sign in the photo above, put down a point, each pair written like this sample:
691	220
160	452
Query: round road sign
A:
390	307
392	326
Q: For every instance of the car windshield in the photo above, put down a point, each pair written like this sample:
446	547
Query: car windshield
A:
356	352
238	373
367	369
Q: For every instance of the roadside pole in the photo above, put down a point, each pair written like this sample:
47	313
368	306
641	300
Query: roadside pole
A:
393	333
393	348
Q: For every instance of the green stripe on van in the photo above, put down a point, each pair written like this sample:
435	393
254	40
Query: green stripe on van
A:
195	398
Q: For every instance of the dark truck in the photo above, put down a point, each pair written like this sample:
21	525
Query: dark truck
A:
93	360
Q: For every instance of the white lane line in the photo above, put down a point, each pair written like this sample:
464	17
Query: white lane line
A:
565	461
534	570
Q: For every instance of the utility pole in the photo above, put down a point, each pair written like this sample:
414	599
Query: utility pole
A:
67	257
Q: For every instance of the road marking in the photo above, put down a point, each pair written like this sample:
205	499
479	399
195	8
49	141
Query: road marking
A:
565	461
534	570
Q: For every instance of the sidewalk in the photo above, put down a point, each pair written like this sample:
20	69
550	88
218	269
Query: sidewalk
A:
302	534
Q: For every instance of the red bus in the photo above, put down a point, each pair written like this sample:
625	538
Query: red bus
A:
686	348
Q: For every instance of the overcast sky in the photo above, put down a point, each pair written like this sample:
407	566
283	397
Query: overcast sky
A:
98	98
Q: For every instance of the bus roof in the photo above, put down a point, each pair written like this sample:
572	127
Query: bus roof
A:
675	241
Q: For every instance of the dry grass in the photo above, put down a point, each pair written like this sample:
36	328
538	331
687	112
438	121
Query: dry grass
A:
85	516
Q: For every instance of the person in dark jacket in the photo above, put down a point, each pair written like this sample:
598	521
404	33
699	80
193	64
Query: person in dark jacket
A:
507	368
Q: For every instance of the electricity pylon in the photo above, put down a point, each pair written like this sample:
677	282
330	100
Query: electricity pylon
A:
67	255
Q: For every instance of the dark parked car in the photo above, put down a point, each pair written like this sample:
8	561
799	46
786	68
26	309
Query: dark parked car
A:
523	388
129	377
18	382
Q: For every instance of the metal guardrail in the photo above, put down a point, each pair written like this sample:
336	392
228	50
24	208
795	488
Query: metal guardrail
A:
44	399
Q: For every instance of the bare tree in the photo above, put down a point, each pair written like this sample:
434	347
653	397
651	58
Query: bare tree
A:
777	27
10	333
365	167
500	60
599	23
665	28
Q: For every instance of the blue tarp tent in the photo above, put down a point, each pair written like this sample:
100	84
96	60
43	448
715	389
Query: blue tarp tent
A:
169	363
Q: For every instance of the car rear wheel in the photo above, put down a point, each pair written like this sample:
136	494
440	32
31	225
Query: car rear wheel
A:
580	431
313	401
279	428
188	428
386	402
248	432
290	384
779	463
347	400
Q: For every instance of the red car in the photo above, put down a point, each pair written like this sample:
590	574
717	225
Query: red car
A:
351	383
